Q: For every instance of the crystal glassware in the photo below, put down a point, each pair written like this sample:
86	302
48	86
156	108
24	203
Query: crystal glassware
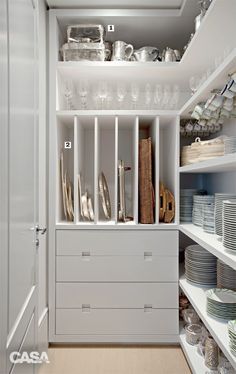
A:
83	89
68	93
135	91
121	93
102	93
166	96
158	95
148	95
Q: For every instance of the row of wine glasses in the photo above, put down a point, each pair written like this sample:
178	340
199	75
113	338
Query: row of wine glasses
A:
105	95
196	81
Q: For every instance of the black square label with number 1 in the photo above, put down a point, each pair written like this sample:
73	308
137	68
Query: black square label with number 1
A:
110	28
67	145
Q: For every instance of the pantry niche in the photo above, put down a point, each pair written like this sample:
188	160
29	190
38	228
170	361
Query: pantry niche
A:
120	154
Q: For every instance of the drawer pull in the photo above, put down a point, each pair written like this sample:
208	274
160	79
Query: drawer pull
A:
147	308
148	256
86	255
86	308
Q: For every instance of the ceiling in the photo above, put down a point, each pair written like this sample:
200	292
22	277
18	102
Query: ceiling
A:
157	4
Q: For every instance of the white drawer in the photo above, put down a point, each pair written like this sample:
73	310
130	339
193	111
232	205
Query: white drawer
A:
116	321
117	295
74	242
145	268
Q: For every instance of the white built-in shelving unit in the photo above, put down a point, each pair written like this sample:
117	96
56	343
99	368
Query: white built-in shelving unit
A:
100	138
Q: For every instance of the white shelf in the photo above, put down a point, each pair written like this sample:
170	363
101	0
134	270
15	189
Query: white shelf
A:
195	361
217	328
214	165
209	38
216	80
211	242
114	226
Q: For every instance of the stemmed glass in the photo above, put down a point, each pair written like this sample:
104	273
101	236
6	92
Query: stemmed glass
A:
193	84
148	95
175	96
83	89
69	95
166	96
158	95
102	92
121	93
135	90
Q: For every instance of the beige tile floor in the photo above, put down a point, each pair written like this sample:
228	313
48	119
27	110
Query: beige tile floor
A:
115	360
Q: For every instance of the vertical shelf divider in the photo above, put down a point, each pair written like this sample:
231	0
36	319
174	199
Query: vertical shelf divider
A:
96	165
177	178
136	166
156	164
76	200
116	167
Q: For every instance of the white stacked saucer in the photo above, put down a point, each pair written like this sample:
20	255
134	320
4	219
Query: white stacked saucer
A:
232	336
226	276
229	224
219	198
230	145
200	266
221	303
209	218
199	202
186	204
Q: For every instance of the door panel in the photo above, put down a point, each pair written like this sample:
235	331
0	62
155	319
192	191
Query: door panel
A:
28	346
22	250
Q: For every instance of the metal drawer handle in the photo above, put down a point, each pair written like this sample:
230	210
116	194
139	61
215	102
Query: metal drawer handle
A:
147	308
86	308
148	256
86	255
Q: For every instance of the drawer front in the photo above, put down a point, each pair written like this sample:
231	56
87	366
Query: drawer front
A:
116	242
116	321
117	295
144	268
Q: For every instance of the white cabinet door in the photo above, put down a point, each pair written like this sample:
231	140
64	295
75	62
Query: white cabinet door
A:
28	345
22	169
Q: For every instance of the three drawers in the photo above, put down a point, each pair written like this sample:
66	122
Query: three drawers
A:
114	283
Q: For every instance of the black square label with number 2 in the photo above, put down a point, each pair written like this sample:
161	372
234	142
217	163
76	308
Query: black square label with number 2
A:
67	145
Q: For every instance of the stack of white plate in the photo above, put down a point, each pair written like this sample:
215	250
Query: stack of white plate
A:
209	218
199	202
186	204
230	145
229	224
221	303
200	266
226	276
219	198
232	335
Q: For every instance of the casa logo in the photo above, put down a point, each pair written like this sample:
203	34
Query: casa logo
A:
29	358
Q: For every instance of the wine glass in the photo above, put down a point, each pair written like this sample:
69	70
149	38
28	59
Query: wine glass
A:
68	93
158	95
148	95
193	84
135	90
102	92
83	89
121	93
175	96
166	96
